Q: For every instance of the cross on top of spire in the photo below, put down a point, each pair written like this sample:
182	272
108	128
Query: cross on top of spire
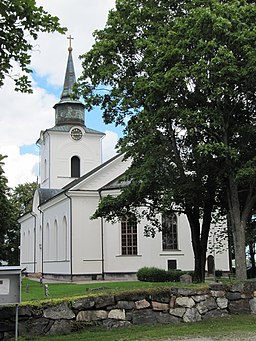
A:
70	40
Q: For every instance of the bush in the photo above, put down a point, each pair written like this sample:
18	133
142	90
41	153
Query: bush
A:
218	273
152	274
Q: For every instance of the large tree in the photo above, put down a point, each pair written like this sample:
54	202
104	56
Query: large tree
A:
20	23
5	209
20	200
183	72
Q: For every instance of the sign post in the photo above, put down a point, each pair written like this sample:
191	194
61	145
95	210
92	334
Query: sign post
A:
10	287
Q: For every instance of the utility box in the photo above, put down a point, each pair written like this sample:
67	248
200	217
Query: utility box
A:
10	285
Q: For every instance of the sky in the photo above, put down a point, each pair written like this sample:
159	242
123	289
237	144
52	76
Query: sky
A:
23	116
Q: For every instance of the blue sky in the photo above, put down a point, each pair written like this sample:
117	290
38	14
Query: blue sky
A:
24	116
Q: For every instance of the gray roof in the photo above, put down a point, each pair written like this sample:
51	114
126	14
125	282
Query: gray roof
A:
67	127
46	194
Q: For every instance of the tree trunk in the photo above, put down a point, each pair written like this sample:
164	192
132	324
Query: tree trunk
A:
238	228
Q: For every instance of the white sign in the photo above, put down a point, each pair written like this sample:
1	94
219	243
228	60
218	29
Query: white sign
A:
4	286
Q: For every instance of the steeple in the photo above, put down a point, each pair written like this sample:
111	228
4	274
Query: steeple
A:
69	110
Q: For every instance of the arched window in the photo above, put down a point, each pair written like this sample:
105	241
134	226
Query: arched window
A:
47	242
129	235
169	232
64	245
75	167
56	240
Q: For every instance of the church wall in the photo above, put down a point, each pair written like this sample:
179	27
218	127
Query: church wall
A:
86	236
56	238
27	251
61	147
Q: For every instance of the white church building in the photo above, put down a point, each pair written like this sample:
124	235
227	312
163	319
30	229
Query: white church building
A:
58	238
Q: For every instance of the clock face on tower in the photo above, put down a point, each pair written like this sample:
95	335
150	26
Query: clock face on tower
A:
76	134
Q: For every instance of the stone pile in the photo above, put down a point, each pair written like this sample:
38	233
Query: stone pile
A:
172	305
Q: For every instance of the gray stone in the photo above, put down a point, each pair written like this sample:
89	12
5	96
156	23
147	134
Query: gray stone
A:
218	293
233	296
186	278
172	302
217	287
206	305
117	314
111	324
7	312
60	327
127	305
192	315
239	307
186	302
91	315
142	304
165	318
6	325
215	314
252	304
146	316
60	311
163	297
222	302
83	303
35	327
160	306
104	301
186	292
179	312
200	298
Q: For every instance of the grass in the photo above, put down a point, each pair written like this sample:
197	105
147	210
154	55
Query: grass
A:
32	291
232	327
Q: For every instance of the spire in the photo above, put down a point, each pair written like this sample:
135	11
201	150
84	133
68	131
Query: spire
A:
69	110
70	77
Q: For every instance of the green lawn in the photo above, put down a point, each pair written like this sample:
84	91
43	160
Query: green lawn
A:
32	290
233	327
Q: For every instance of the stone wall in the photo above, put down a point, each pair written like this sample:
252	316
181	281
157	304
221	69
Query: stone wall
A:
172	305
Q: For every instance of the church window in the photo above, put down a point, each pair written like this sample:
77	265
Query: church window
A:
56	240
65	238
169	232
129	235
75	167
47	242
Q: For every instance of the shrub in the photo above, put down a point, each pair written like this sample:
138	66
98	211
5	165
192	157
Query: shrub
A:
218	273
152	274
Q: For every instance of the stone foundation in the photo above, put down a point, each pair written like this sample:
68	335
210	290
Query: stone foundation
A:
168	306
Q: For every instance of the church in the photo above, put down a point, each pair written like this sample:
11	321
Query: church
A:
58	238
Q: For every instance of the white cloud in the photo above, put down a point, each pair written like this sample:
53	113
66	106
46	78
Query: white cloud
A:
19	168
23	116
108	145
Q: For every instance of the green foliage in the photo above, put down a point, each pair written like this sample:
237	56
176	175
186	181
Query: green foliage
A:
153	274
182	73
20	202
21	21
5	209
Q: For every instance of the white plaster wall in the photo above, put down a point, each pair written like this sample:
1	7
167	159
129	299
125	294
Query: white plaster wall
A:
56	256
86	236
150	251
27	243
58	149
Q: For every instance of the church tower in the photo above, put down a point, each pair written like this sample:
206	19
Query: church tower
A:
69	149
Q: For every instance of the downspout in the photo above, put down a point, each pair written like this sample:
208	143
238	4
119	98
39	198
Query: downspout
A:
102	243
71	233
34	215
42	212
